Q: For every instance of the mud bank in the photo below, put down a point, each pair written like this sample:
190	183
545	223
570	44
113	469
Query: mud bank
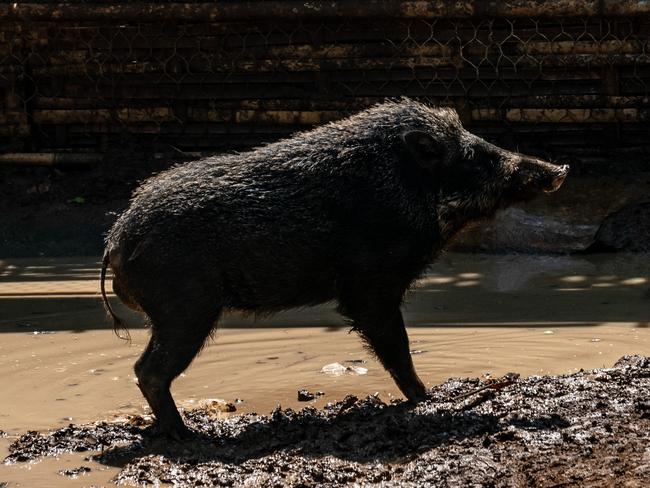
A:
590	428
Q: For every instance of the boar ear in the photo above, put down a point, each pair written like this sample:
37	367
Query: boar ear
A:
423	147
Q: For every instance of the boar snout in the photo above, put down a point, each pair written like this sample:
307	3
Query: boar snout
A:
536	175
559	174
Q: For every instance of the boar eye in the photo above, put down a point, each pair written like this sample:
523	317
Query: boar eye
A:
477	164
486	165
427	151
473	169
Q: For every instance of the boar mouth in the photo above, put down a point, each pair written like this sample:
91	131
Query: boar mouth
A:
557	180
537	176
532	178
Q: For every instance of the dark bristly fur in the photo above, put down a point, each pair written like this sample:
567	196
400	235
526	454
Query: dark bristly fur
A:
352	211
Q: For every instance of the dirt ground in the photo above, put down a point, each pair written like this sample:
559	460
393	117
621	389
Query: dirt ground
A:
590	428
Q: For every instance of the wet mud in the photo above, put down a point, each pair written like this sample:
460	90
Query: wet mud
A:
589	428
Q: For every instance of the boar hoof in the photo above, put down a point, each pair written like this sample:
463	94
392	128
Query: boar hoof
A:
174	432
417	395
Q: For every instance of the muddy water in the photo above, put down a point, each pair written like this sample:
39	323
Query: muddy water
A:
470	315
50	380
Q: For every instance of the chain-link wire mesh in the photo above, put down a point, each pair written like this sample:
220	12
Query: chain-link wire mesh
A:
562	85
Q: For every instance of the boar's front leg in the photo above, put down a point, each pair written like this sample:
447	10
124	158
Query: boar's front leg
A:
379	323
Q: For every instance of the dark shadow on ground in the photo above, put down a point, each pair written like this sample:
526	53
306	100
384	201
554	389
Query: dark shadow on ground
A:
365	434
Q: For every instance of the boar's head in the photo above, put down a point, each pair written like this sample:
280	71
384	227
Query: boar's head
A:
472	178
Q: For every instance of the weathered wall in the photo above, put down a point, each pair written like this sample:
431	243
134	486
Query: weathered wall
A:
569	82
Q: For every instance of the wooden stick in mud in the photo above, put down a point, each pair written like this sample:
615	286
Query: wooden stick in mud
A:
495	385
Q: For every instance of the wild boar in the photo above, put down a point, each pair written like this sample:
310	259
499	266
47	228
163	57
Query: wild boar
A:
351	212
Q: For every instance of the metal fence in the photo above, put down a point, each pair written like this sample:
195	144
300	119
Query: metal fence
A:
570	80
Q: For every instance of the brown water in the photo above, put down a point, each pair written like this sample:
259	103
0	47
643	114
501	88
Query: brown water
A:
471	314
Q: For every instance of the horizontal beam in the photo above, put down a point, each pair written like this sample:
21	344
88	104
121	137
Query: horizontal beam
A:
50	159
315	10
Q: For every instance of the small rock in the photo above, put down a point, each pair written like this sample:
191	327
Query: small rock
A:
137	420
214	405
305	396
348	402
74	472
634	361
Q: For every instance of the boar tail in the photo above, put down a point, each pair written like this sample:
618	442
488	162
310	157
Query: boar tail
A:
118	325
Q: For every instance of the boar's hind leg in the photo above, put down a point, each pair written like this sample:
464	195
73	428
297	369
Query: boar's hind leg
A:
382	328
176	338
